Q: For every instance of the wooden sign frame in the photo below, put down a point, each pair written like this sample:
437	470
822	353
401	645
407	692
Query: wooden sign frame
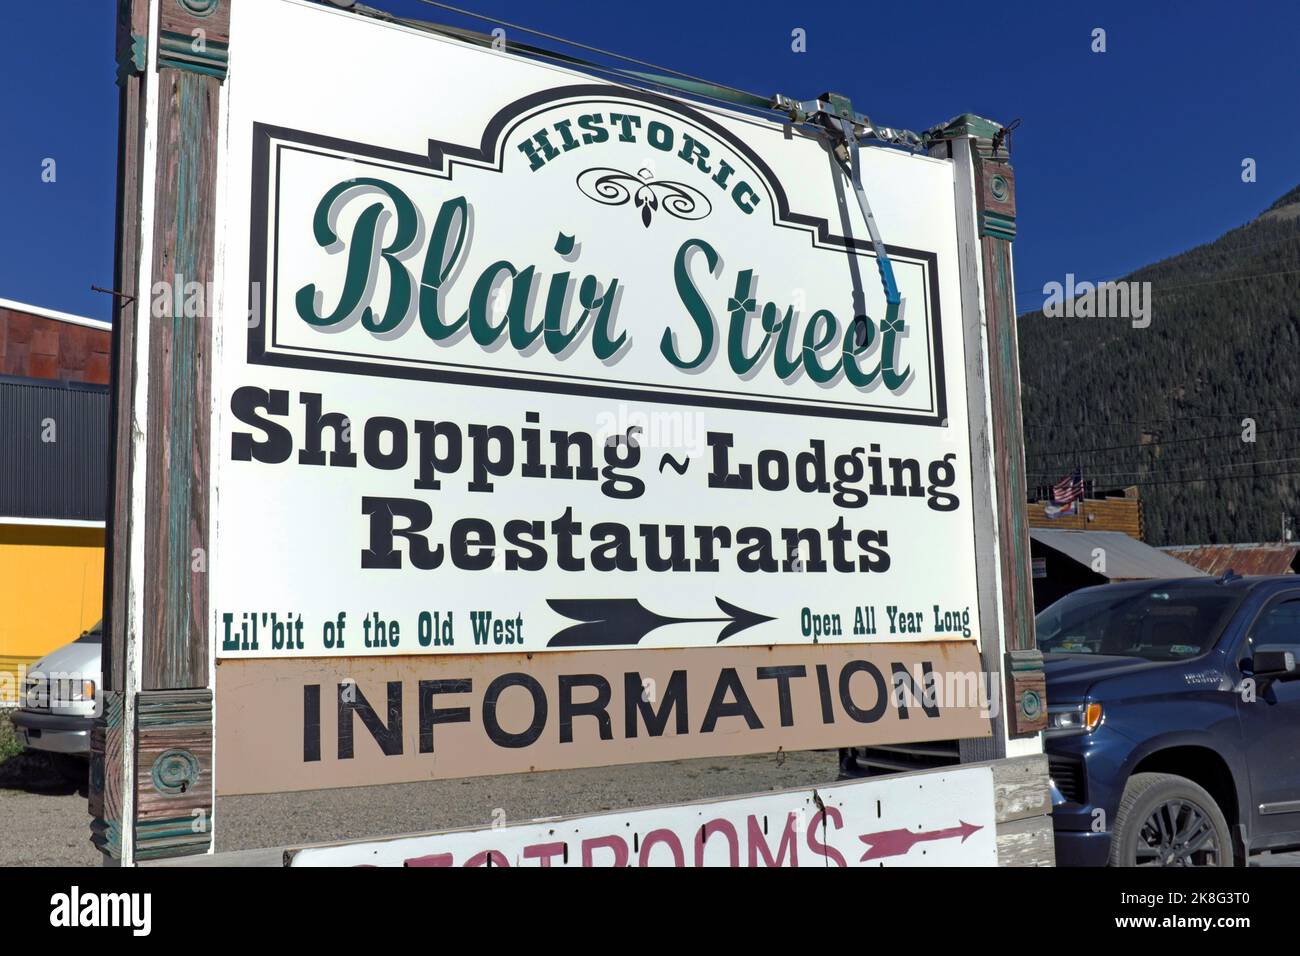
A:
152	780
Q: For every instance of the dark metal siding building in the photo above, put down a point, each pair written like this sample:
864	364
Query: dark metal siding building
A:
53	450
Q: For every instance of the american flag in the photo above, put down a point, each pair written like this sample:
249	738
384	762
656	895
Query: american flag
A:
1069	488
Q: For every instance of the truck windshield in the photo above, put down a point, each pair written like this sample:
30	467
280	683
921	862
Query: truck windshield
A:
1155	625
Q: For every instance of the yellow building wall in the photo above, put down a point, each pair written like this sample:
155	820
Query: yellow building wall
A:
51	589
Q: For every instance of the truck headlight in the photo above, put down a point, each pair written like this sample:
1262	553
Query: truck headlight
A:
1073	718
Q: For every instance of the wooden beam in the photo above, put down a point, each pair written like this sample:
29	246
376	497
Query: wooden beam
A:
175	638
979	154
1023	802
151	781
109	803
1026	684
132	40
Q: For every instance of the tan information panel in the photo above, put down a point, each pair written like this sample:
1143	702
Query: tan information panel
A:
288	724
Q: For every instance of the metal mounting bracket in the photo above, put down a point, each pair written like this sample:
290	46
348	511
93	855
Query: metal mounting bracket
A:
835	115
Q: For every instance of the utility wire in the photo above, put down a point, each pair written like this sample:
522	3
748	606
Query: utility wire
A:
592	49
1157	286
1179	471
1116	423
1196	285
1171	441
1188	481
1128	276
627	79
1107	461
1151	464
665	79
1203	478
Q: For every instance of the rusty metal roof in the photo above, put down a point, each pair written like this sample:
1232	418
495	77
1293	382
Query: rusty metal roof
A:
1243	559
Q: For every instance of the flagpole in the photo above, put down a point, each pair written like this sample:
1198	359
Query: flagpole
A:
1083	493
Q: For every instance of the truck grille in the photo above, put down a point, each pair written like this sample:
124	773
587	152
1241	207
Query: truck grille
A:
1067	774
901	758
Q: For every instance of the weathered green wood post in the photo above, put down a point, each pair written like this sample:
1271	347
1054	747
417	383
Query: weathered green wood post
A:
151	771
985	184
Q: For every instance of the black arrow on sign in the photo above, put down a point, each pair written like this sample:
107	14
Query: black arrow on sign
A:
625	621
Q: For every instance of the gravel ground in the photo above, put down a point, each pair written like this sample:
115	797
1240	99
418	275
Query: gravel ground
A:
45	829
43	818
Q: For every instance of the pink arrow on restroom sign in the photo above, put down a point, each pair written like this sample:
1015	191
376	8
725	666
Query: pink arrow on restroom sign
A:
897	842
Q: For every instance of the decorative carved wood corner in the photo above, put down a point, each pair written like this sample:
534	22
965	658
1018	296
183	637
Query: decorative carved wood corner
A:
997	199
194	35
173	775
106	772
1026	692
173	804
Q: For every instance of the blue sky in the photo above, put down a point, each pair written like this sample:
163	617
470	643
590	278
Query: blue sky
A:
1123	158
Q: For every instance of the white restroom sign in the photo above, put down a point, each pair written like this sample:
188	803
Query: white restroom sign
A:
939	819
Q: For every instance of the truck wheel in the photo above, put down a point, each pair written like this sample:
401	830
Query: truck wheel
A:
1165	820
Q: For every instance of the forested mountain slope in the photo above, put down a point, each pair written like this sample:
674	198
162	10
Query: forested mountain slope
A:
1162	407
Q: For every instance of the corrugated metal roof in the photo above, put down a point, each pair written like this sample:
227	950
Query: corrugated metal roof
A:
1126	559
1243	559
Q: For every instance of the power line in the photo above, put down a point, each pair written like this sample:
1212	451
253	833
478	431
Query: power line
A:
1128	276
627	79
1116	423
591	49
1197	285
1165	289
1206	478
665	79
1179	471
1171	441
1107	461
1188	481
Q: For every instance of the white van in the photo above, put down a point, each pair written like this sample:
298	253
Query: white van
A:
61	696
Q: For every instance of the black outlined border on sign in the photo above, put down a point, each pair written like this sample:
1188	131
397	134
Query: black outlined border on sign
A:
442	156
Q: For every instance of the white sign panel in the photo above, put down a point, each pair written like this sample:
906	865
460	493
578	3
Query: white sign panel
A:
940	819
539	363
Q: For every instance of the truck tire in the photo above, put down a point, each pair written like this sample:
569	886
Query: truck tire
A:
1166	820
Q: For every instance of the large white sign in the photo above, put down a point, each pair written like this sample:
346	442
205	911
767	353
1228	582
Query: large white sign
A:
539	363
940	819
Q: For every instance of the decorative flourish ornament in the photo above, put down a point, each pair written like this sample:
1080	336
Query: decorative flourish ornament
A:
613	187
175	772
